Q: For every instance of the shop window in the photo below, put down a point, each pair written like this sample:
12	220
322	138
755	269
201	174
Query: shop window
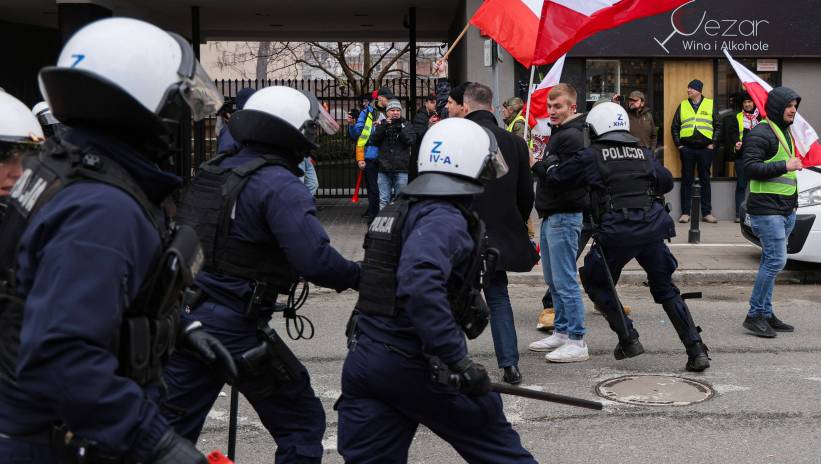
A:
602	80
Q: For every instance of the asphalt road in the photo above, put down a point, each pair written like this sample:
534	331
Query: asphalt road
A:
767	407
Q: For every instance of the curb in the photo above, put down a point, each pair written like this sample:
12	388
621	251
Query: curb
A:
689	277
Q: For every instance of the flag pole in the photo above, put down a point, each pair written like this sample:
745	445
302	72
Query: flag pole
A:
527	111
451	47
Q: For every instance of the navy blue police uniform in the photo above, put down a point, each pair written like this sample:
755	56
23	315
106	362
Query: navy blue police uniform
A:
387	390
83	258
273	211
627	186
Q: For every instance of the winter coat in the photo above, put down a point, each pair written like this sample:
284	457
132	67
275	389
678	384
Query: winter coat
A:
643	127
761	144
395	141
506	203
566	140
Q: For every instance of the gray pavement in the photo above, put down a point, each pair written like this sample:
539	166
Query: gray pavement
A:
768	403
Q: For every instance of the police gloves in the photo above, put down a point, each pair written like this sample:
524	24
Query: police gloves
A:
174	449
211	350
473	378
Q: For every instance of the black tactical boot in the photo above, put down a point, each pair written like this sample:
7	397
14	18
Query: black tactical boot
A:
697	359
628	349
759	326
778	325
512	375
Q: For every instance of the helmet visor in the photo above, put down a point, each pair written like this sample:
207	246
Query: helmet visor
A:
200	94
495	166
326	121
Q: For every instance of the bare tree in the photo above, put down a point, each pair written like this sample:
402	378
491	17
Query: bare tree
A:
357	64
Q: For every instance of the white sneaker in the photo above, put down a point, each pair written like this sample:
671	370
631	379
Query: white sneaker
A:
572	351
549	343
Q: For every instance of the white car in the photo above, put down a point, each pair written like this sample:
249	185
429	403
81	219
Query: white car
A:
805	240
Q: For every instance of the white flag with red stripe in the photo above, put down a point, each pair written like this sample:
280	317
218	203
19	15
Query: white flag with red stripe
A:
539	117
564	23
806	139
514	24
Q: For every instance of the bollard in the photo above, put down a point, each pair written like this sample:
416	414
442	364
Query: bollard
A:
695	217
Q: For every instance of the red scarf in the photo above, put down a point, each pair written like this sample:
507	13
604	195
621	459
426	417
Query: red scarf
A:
750	119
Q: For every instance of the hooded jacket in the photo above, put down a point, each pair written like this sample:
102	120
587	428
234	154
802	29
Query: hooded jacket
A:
565	142
761	144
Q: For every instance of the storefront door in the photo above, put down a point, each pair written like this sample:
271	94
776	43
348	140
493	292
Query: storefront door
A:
677	74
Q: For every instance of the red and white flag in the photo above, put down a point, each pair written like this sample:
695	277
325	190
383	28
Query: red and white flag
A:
514	24
806	139
539	116
564	23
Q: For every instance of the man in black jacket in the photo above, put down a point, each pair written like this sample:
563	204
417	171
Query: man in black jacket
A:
505	207
422	120
395	137
561	210
770	163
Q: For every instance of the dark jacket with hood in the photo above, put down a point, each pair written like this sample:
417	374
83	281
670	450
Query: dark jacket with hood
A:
395	141
761	144
506	203
566	140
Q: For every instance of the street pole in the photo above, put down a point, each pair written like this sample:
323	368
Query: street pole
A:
495	67
695	209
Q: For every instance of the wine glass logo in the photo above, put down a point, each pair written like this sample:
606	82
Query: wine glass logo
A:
677	21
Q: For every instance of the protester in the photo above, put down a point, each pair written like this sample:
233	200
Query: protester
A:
505	207
770	162
395	138
367	152
695	131
642	125
746	119
513	114
424	118
456	100
561	212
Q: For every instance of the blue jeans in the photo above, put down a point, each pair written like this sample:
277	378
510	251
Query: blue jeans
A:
502	327
310	179
559	244
773	231
692	158
390	184
740	186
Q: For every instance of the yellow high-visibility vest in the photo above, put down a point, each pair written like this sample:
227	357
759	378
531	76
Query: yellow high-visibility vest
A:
785	184
364	137
520	117
692	121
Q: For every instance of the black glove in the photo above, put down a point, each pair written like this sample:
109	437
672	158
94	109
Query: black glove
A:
211	350
174	449
551	160
473	379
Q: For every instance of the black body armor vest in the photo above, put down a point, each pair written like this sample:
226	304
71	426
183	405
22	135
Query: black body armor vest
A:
207	206
627	172
383	248
151	322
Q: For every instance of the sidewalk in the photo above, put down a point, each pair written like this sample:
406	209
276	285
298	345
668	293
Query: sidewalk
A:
723	256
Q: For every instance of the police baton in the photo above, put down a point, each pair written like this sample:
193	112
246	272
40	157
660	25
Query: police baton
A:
544	396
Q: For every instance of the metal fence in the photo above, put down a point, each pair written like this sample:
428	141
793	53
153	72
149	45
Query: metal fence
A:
335	161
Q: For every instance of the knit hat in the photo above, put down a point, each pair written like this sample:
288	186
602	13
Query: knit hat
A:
394	104
386	92
637	95
695	84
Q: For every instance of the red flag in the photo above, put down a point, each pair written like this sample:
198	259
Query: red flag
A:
564	23
355	198
806	139
538	99
513	24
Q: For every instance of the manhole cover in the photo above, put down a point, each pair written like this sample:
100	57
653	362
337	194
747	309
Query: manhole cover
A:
655	390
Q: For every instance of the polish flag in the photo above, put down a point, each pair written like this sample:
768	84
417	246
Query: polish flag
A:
564	23
514	24
806	139
539	117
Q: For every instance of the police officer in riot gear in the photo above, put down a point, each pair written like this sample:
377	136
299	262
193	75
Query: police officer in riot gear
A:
19	134
260	233
627	186
419	296
93	270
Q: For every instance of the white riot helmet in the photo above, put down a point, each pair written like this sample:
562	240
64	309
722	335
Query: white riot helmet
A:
18	127
283	117
456	157
130	77
609	123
